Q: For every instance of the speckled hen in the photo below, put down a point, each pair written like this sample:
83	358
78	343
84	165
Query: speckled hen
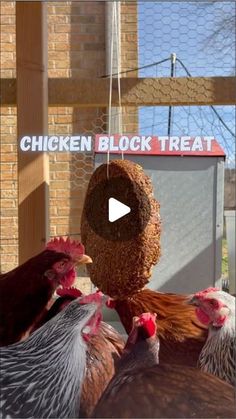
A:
103	353
42	377
216	310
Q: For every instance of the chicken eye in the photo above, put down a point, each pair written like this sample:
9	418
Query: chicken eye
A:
213	303
62	264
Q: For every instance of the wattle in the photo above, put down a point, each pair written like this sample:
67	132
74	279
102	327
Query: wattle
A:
202	316
69	279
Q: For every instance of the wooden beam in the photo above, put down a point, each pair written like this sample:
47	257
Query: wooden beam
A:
135	91
32	118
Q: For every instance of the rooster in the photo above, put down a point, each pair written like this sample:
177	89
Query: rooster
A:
142	388
26	290
181	335
216	309
103	352
42	377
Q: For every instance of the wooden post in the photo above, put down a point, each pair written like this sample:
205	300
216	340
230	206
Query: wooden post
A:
32	118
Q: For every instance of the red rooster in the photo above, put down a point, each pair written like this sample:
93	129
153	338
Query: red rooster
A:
143	389
26	290
103	351
181	335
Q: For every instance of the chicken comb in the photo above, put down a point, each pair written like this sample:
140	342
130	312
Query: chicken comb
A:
147	320
73	248
69	292
206	291
111	303
147	317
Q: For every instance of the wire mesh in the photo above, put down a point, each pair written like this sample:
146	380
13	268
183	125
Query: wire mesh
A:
202	35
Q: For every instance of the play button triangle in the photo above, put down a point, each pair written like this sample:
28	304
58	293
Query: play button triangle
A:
116	209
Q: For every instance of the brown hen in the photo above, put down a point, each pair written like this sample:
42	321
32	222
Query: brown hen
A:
143	389
181	334
26	291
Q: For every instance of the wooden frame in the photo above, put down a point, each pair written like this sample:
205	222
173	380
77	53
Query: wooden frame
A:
32	118
33	93
192	91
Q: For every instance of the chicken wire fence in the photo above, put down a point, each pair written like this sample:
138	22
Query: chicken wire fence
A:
201	35
201	38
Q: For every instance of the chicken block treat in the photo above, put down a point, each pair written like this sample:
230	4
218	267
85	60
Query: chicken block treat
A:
123	251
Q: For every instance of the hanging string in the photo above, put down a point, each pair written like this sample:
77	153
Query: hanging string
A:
110	89
118	55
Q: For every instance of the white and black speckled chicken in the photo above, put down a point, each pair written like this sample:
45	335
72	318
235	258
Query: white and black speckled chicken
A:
42	377
143	389
103	353
216	310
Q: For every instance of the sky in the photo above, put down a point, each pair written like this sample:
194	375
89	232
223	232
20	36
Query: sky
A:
187	29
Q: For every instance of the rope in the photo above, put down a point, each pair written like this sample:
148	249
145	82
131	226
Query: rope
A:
110	89
118	55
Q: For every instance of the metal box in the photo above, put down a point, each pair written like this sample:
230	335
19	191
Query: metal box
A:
190	189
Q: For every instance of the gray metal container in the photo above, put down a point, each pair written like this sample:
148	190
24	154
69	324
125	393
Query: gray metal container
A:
190	190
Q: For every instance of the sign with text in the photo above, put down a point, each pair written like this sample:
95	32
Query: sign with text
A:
153	145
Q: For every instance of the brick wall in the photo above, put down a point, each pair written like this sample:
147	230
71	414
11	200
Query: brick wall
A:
76	48
8	155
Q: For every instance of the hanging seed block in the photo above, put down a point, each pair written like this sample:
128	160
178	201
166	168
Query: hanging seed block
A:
123	251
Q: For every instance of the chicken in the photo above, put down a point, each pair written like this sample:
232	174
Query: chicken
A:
216	309
181	335
143	389
104	350
42	377
26	290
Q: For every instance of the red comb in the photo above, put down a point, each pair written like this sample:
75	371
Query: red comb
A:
110	303
206	291
148	321
147	317
73	248
69	292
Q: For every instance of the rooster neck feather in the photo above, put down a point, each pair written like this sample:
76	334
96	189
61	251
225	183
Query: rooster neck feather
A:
175	318
181	336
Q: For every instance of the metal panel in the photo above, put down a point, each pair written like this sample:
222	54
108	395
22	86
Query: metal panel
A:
230	234
190	191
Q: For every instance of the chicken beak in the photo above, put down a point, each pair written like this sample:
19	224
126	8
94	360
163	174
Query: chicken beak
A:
83	259
193	300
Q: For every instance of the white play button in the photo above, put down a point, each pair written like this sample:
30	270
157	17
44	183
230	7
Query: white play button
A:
116	209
